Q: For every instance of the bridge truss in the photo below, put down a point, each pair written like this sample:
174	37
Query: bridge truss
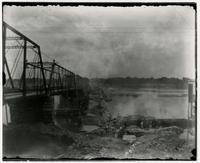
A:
25	71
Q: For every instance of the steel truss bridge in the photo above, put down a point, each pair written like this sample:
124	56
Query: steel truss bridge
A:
26	73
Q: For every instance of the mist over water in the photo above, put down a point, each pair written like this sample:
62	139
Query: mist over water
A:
149	104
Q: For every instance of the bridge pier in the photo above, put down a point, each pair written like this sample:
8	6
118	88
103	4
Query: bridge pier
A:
34	109
31	109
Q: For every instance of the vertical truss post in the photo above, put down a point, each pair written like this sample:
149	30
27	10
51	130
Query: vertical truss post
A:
4	43
37	81
51	75
40	81
59	78
62	81
65	81
24	69
56	81
75	85
5	63
9	74
74	77
34	77
42	70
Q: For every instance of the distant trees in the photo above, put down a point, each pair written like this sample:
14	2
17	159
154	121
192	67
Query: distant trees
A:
134	82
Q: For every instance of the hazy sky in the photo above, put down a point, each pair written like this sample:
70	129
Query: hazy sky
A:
112	41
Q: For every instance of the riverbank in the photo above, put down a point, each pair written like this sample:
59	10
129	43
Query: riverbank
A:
101	136
44	142
144	137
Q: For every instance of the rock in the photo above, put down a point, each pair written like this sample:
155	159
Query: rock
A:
129	138
99	131
172	130
91	115
88	157
89	128
134	130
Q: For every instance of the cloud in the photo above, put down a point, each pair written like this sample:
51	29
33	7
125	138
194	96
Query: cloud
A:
112	41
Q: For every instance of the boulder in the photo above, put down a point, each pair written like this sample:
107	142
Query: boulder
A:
99	131
172	130
134	130
89	128
129	138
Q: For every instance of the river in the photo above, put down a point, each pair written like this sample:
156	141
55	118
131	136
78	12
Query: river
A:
160	104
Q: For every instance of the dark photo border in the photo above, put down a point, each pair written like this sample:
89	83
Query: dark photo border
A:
114	4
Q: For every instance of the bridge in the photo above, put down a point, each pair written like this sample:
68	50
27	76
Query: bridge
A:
27	73
29	77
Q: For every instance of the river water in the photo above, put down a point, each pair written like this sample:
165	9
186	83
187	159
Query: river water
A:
160	104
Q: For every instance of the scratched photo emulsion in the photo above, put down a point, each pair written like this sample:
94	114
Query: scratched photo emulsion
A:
99	82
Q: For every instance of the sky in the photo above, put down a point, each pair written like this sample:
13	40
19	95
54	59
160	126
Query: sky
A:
107	42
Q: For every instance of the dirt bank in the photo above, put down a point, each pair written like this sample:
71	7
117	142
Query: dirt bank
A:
101	136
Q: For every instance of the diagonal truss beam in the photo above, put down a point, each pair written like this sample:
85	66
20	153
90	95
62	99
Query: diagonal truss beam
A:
57	73
19	34
27	40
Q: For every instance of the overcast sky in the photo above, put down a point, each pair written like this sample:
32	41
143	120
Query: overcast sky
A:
112	41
